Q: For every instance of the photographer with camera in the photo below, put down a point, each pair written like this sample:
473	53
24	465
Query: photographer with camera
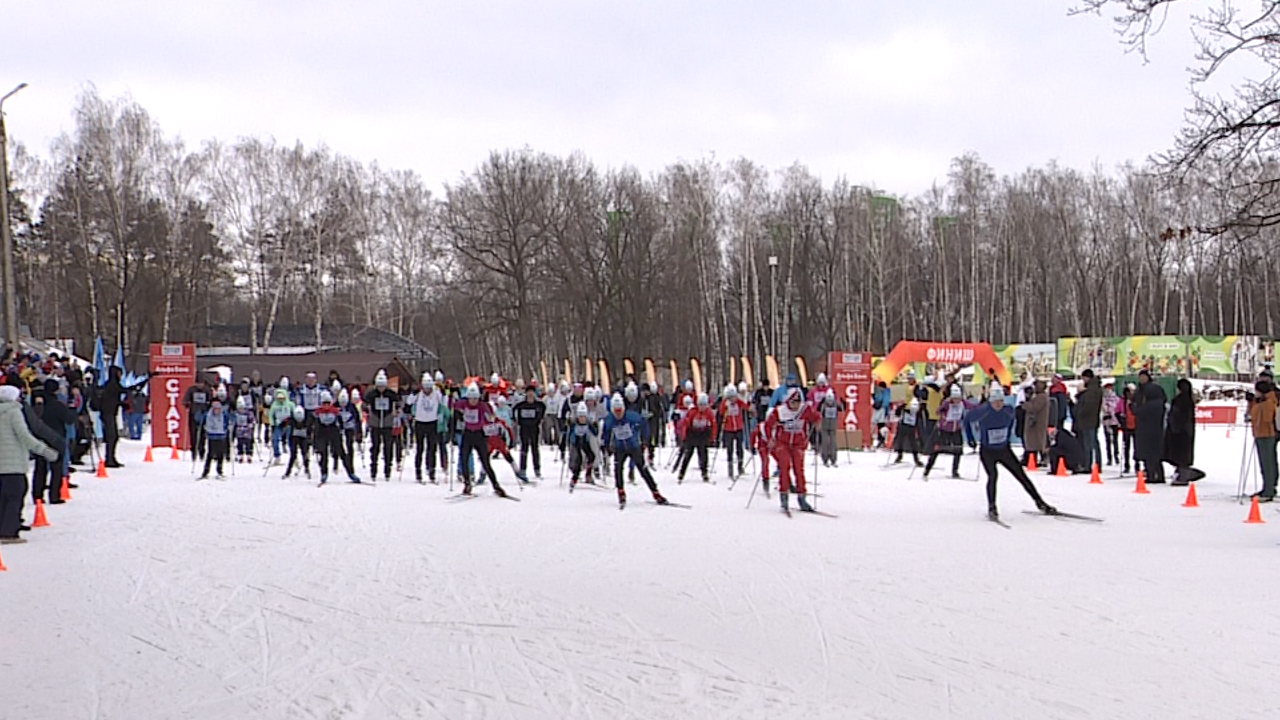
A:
1262	418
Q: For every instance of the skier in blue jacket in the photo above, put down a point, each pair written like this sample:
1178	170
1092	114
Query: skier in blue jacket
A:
625	432
992	423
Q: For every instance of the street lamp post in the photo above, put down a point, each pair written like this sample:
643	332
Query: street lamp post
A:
773	302
6	236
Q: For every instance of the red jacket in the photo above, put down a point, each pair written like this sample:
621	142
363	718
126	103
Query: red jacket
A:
699	420
793	431
734	413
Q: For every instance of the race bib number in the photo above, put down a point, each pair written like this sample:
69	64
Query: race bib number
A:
733	411
830	412
327	418
622	432
998	436
492	429
580	430
700	424
382	404
794	426
646	414
528	414
199	398
909	420
471	415
955	412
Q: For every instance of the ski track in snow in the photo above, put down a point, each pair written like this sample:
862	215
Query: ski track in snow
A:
157	597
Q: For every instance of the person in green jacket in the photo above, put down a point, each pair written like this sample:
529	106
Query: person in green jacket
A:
281	411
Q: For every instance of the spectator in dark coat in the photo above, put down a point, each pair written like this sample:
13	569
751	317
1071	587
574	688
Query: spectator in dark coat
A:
1088	415
56	416
1148	441
1180	435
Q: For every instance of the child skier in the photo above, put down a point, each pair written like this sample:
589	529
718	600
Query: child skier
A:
299	430
584	445
733	418
993	422
907	438
787	429
328	431
244	429
623	432
496	431
949	438
217	429
760	444
830	408
699	428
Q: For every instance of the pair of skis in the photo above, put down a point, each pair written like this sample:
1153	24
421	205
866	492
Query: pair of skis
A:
787	511
1059	514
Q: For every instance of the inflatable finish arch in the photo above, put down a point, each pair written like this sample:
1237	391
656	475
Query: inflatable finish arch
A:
910	351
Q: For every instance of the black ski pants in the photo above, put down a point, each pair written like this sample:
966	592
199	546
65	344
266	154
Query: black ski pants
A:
13	491
475	441
992	459
529	440
636	456
381	441
427	439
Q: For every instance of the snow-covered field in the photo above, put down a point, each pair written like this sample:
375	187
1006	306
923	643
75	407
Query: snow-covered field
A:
156	597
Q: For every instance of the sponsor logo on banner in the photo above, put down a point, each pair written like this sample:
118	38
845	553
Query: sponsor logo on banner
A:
173	369
850	375
1216	414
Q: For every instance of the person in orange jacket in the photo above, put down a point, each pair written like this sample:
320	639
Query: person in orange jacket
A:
699	426
787	429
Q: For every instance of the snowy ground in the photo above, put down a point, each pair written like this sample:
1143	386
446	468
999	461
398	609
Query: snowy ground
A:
154	596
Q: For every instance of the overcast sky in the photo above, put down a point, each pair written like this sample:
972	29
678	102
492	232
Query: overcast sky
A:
884	93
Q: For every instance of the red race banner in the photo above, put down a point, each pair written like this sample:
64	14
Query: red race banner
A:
1216	414
174	370
850	377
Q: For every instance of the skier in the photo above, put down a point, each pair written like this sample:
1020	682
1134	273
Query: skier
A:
699	427
383	407
244	428
529	414
829	408
299	429
568	410
426	415
760	446
787	431
651	411
217	428
949	436
733	416
196	401
881	402
475	417
496	431
281	415
821	390
584	446
328	428
623	432
994	424
908	437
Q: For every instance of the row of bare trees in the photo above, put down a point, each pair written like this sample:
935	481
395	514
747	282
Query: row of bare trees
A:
127	233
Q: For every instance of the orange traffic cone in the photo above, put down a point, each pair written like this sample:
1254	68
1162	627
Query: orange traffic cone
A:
147	457
1095	477
2	567
1192	500
102	468
65	495
175	455
1142	484
1031	463
41	520
1062	468
1255	514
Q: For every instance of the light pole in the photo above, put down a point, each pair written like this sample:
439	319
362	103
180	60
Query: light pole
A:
773	302
6	237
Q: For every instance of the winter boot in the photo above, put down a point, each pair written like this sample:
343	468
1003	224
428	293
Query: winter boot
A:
783	497
353	478
466	486
657	497
993	513
803	502
1046	508
497	490
622	498
324	478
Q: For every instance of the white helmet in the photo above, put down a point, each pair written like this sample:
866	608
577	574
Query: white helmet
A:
581	410
311	376
284	382
439	376
688	401
380	379
688	386
335	386
473	392
501	399
702	400
299	414
914	404
355	395
426	379
494	379
822	378
564	386
617	403
742	387
829	398
326	396
633	392
591	394
730	392
242	402
343	397
221	392
955	391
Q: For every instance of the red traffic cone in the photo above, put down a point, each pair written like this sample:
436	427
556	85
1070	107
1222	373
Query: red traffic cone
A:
1192	500
175	455
41	520
65	495
1031	463
1142	484
1255	514
1062	468
147	457
1095	477
102	468
2	567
